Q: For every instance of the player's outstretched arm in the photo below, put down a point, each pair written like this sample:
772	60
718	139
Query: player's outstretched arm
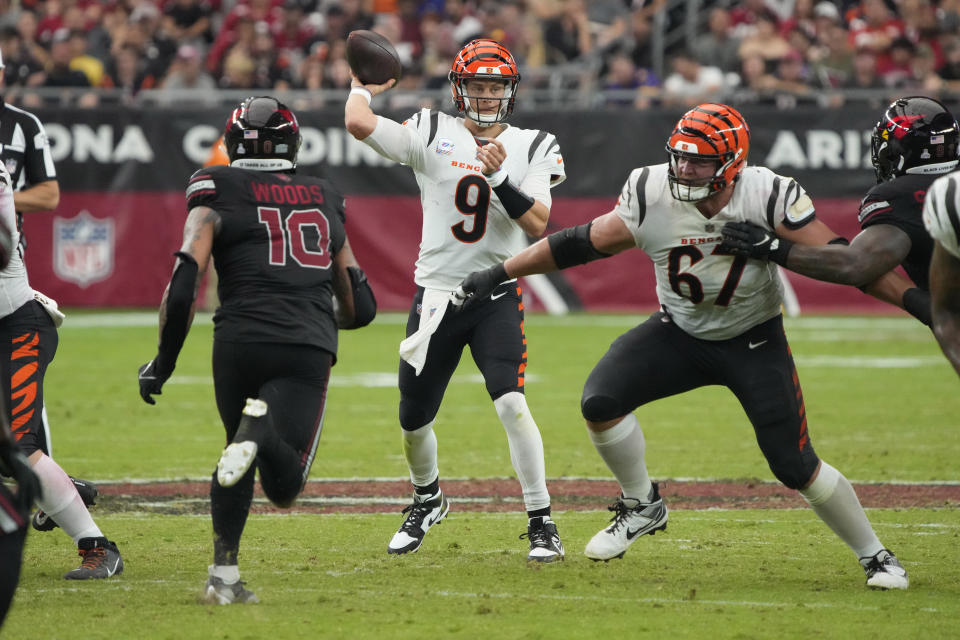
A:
600	238
177	305
358	118
945	294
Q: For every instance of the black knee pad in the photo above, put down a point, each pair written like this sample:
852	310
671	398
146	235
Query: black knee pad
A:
600	408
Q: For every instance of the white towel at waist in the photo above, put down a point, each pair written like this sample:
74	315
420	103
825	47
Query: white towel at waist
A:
432	308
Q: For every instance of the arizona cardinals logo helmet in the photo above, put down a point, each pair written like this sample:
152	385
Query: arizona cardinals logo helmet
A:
916	134
262	133
486	60
708	132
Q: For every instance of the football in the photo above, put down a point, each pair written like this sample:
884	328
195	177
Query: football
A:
372	58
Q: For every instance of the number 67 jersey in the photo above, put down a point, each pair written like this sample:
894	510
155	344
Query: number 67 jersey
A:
465	228
273	252
711	295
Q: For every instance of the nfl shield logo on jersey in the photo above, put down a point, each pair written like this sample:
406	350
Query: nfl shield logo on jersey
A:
83	248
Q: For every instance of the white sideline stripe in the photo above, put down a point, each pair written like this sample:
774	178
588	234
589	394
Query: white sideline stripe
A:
579	319
667	481
677	601
370	380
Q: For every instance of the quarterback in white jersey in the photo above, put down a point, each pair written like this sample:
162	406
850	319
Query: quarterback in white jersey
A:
720	324
484	186
941	217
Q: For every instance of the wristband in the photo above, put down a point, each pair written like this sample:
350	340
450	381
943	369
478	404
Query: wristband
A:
361	91
779	253
515	202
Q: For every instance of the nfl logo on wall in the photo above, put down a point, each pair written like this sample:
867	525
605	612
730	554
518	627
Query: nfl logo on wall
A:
83	248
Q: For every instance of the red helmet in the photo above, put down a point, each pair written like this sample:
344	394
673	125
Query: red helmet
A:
486	60
708	132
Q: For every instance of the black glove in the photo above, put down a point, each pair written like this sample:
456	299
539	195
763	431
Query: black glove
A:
151	377
753	241
478	286
14	464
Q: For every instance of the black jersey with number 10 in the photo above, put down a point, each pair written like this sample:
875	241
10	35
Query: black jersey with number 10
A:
273	254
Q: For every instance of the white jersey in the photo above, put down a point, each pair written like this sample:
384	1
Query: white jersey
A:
15	291
941	212
465	227
709	295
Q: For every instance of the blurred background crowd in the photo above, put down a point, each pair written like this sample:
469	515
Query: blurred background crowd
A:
596	53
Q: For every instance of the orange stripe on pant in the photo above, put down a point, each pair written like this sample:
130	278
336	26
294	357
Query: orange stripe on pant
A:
23	381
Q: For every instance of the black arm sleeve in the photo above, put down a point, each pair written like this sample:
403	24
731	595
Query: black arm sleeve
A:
917	303
180	297
515	202
364	302
572	246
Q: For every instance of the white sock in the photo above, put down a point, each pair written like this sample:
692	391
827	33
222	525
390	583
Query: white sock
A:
420	450
526	448
229	573
59	500
622	447
834	500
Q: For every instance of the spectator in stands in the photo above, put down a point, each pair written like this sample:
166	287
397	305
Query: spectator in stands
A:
270	70
766	40
638	41
294	34
875	27
631	86
21	69
865	74
27	26
691	83
923	78
743	16
127	72
792	86
567	35
82	61
757	85
189	22
831	56
466	25
59	73
803	17
899	65
949	72
187	74
718	47
238	70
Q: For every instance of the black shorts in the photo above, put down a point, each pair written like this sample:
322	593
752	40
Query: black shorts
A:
28	343
658	359
494	331
292	379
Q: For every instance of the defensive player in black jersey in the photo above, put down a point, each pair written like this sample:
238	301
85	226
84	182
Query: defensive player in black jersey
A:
915	142
281	254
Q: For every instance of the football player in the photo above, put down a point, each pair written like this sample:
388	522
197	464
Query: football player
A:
280	249
720	324
941	216
14	509
484	186
915	142
28	343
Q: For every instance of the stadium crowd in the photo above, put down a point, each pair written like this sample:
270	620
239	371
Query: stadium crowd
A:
782	52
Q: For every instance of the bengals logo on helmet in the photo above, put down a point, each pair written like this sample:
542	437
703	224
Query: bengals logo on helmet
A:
484	59
708	132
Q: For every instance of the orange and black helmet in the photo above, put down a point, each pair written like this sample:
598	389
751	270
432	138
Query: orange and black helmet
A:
708	132
485	60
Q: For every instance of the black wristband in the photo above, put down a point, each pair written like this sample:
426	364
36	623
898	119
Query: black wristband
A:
498	273
515	202
916	301
780	253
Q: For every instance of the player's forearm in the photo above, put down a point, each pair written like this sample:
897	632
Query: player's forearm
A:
534	221
40	197
832	263
537	258
358	117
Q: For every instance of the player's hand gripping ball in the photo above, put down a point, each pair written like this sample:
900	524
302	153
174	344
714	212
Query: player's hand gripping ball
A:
372	58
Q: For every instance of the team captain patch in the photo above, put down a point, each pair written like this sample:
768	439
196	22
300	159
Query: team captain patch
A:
870	208
200	185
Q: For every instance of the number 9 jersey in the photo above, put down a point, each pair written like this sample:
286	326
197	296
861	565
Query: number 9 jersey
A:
465	227
708	294
273	253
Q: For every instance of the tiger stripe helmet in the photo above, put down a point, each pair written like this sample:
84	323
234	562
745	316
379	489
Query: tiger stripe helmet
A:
708	132
487	60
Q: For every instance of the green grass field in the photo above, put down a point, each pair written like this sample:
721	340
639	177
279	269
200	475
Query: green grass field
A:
881	403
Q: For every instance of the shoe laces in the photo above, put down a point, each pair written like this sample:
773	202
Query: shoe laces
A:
92	558
620	512
418	511
539	536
